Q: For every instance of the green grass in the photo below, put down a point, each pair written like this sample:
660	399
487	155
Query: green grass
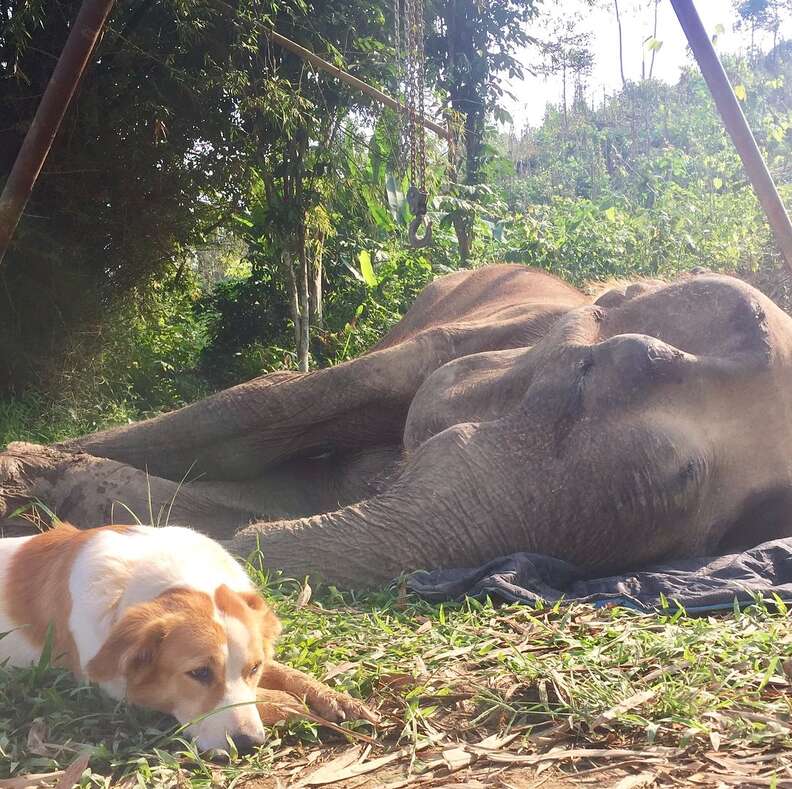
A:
461	671
43	420
452	673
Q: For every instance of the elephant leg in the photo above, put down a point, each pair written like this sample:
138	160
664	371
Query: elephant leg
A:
90	491
244	431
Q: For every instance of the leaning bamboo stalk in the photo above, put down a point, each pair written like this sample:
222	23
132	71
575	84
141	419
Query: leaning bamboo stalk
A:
62	84
736	125
358	84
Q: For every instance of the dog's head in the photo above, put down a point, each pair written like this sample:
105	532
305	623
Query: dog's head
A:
197	658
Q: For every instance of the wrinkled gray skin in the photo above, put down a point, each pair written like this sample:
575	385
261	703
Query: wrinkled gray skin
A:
504	413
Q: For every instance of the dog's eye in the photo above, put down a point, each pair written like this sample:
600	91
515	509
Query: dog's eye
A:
203	674
254	669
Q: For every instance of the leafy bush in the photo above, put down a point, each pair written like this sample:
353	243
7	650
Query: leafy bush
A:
582	241
245	315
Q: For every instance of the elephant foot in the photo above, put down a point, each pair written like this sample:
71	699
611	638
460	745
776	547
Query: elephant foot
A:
27	473
38	482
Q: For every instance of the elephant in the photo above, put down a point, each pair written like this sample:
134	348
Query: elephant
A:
507	411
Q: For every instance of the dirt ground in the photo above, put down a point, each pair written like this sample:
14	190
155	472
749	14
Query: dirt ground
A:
562	767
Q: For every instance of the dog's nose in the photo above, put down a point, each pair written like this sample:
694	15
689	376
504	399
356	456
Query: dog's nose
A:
246	744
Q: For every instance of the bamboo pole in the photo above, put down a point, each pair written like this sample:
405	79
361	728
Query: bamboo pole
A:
736	125
38	140
354	82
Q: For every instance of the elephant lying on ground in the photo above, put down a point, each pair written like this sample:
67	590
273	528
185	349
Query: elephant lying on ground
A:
504	413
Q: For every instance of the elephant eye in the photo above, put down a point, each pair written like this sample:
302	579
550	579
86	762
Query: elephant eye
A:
202	675
254	669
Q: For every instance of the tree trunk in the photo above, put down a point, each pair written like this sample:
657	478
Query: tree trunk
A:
621	43
304	338
316	296
465	56
464	234
564	91
654	36
303	327
294	298
316	300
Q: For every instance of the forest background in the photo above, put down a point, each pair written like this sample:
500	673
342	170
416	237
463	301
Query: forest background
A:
214	209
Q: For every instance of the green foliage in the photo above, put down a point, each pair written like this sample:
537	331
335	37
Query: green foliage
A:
470	48
361	312
152	151
245	316
182	101
149	362
582	241
648	184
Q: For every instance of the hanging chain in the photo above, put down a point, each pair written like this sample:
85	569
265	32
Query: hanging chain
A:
420	89
411	74
400	133
415	67
397	40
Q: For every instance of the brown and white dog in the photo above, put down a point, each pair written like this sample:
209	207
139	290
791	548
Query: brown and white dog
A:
162	617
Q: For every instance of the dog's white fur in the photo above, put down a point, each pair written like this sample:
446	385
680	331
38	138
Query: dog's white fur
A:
113	571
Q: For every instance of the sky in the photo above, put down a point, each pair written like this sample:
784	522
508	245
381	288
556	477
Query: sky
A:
534	92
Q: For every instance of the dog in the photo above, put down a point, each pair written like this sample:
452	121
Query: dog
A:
163	617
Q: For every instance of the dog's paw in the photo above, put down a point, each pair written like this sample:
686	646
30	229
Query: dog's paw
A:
336	707
275	706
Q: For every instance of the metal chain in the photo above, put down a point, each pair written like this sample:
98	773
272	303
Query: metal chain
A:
400	134
415	66
410	35
420	88
397	39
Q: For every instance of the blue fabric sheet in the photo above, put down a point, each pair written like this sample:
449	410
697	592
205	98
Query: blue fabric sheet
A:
709	583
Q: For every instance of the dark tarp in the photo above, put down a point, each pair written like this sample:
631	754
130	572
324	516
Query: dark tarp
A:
710	583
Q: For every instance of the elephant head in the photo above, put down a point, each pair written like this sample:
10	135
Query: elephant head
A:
654	428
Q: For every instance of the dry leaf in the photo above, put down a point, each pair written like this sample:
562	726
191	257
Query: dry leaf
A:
427	625
457	759
37	736
304	597
330	769
634	781
361	768
756	780
715	739
32	781
341	668
623	706
396	681
496	741
66	778
72	773
559	754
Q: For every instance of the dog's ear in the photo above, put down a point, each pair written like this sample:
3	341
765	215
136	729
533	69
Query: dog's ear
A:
131	646
270	624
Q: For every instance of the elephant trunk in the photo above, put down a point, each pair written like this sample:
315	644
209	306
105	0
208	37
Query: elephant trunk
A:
361	545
